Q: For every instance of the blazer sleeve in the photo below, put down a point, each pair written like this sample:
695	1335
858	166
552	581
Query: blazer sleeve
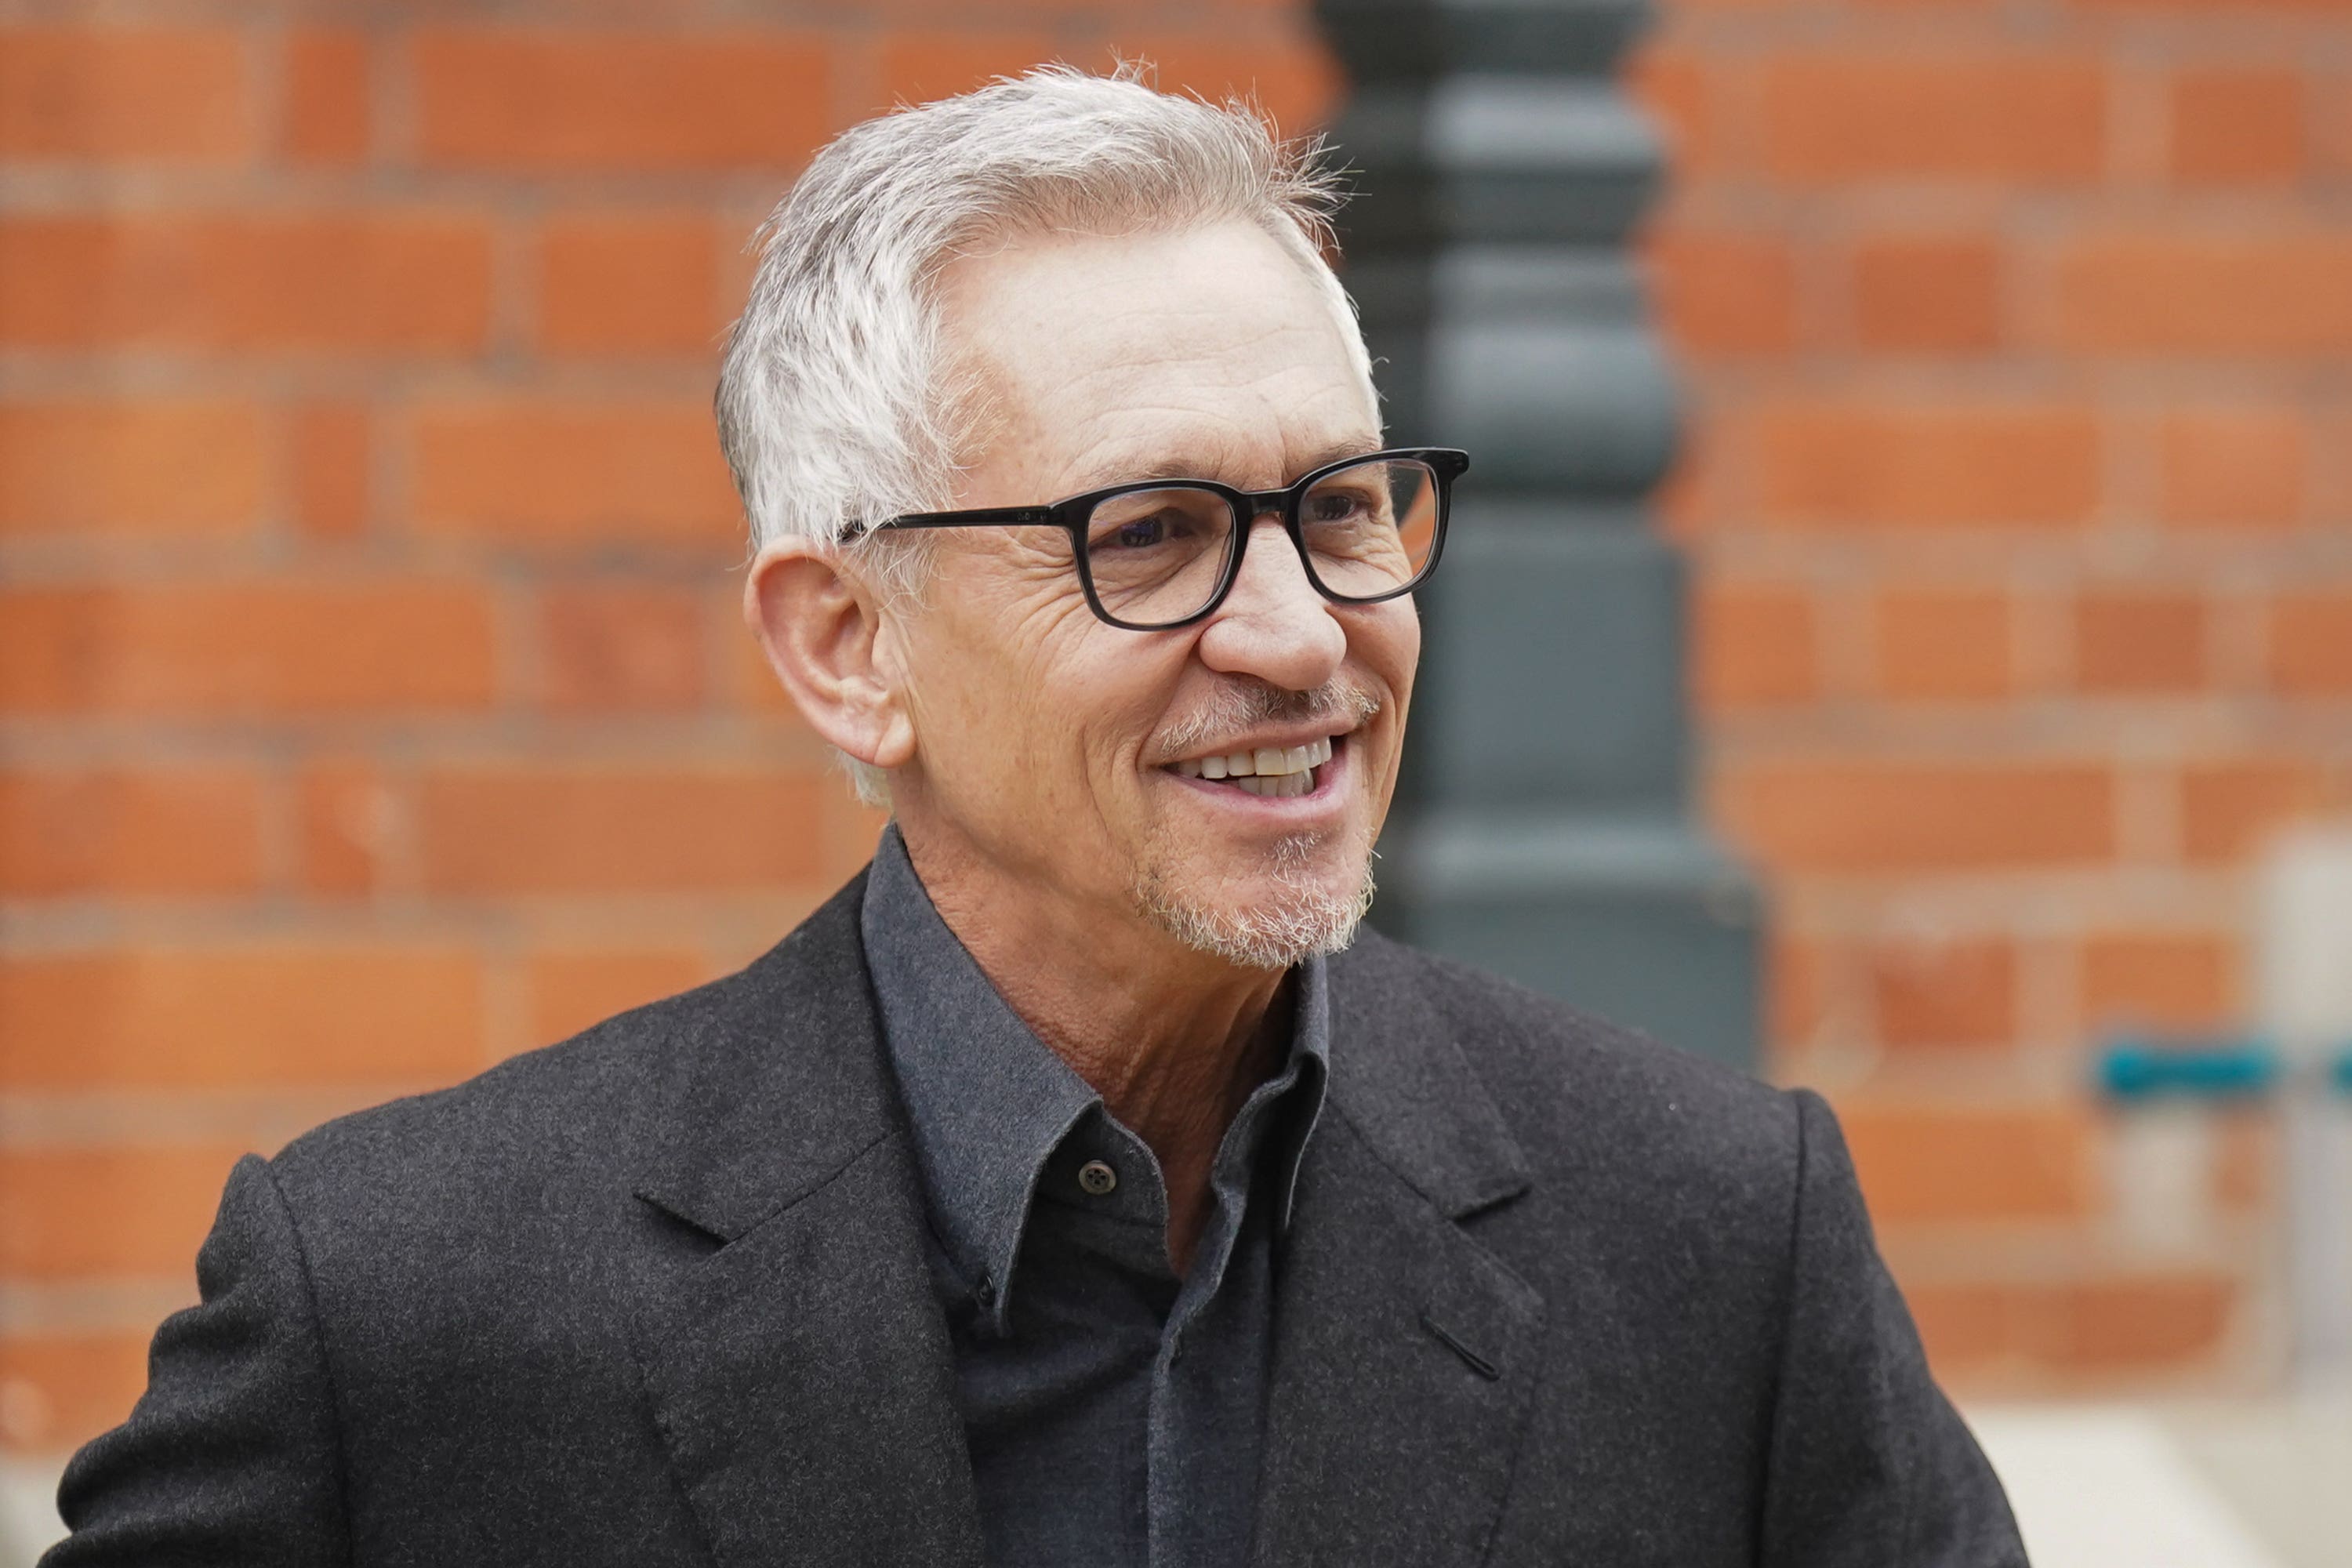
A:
231	1455
1869	1463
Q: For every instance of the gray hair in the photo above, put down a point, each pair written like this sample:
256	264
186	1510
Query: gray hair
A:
835	408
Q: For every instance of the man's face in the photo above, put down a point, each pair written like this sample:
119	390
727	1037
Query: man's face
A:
1058	749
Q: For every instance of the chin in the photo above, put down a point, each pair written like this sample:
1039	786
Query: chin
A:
1307	902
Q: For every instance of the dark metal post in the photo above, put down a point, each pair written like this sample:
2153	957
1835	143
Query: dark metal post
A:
1543	828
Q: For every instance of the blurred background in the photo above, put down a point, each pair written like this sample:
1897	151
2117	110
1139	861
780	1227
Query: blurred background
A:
374	704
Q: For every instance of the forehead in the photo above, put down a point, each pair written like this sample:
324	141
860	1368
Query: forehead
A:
1210	352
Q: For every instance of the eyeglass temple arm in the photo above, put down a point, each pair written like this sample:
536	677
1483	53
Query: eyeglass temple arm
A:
981	517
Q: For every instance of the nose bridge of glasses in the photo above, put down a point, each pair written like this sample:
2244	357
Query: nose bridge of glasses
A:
1256	504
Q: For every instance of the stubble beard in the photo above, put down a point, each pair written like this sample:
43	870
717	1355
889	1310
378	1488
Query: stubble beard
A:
1303	919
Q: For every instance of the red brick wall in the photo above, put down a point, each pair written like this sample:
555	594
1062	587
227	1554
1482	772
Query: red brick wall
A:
374	705
2018	485
372	692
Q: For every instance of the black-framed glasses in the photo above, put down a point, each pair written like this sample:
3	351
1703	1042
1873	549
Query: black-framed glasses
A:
1158	553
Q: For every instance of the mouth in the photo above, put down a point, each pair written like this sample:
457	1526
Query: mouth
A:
1276	773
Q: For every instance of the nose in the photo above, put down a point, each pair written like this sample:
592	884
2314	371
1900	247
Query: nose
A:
1273	625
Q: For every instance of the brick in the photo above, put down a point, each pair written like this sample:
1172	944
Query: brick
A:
2245	1159
1938	994
333	452
348	821
2105	1325
2237	125
387	279
159	467
621	647
2139	644
537	829
2232	467
2231	8
67	1214
114	92
330	104
917	66
1800	980
572	990
2331	123
1835	115
1926	293
59	1390
2311	643
2230	810
1752	646
2158	979
1843	462
1971	1162
1898	818
558	472
2139	1324
2240	291
1943	644
576	99
1689	93
1966	1328
75	832
253	648
634	284
1723	293
257	1016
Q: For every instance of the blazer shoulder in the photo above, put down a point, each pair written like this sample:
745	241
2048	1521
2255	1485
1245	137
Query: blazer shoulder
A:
1574	1085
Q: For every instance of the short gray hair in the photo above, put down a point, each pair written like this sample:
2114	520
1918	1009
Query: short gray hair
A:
835	408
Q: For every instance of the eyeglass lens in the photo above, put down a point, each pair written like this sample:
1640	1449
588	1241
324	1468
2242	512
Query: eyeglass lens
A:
1155	555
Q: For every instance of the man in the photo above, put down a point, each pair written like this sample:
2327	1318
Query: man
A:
1077	1185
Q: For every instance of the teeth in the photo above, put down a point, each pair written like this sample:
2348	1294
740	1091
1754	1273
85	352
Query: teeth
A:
1267	763
1277	786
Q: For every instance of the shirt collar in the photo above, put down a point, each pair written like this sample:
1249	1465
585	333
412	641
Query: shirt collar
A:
990	1102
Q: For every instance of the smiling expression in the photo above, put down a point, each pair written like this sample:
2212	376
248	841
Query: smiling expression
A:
1222	782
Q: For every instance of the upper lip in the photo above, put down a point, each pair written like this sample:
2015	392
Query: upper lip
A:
1263	740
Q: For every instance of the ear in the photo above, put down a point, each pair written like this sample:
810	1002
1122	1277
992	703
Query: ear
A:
823	629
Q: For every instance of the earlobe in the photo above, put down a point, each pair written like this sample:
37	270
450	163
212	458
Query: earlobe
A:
826	637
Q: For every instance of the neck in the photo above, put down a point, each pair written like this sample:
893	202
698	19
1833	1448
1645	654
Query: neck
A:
1174	1040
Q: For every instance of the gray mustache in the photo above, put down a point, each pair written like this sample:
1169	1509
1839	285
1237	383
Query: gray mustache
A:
1239	708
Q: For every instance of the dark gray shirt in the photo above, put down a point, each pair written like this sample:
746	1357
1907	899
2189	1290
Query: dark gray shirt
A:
1114	1410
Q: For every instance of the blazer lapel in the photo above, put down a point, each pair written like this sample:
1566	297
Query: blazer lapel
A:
797	1364
1405	1353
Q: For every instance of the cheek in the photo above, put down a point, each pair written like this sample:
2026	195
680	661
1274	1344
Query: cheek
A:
1386	643
1024	687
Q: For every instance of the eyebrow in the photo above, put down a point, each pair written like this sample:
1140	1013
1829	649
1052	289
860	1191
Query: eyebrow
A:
1182	467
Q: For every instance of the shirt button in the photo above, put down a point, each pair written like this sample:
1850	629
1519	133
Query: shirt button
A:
1097	1178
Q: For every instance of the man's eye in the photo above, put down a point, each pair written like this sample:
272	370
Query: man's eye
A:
1337	506
1141	534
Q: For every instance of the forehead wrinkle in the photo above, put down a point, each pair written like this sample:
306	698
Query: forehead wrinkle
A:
1186	440
1187	458
1147	386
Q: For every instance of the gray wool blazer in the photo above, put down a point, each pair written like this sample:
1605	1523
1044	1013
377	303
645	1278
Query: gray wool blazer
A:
1553	1294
